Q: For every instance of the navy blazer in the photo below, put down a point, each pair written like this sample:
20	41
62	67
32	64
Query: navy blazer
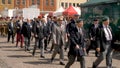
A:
76	39
92	32
10	28
39	30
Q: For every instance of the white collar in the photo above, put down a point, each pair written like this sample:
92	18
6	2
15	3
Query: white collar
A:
105	26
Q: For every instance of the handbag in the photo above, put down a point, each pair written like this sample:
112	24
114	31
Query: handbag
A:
80	52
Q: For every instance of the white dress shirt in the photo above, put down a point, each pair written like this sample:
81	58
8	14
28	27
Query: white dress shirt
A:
12	24
108	33
80	30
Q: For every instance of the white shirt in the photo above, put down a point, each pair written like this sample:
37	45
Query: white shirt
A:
96	25
79	30
108	33
12	24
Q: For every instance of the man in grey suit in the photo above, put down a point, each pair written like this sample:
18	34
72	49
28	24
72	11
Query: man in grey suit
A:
58	38
104	37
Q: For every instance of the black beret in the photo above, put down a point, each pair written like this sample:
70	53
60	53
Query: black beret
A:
76	15
79	20
105	18
95	19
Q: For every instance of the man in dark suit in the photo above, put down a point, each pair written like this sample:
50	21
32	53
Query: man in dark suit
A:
39	37
92	36
19	36
104	37
46	32
77	45
26	31
69	28
53	23
11	30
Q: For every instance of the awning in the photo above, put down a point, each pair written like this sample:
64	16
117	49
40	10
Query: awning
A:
97	2
70	11
59	12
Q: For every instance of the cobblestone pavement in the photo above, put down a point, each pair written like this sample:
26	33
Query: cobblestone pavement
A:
12	57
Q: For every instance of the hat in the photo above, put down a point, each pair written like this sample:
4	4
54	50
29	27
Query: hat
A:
105	18
76	15
95	19
60	19
79	20
39	17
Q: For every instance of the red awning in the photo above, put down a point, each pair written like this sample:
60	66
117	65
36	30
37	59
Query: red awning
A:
70	11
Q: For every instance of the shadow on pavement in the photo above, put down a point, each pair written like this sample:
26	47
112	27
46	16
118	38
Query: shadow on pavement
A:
14	50
34	63
37	62
42	62
7	46
19	56
4	42
100	67
56	59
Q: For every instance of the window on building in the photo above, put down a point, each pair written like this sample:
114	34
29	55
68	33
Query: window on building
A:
74	4
9	1
47	2
70	4
62	4
38	2
78	4
17	2
3	1
23	2
66	5
33	2
52	2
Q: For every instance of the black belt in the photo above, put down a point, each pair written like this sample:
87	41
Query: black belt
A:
108	42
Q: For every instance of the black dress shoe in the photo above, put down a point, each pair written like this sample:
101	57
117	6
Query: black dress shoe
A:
16	46
12	41
61	63
65	49
21	46
42	56
51	60
94	66
45	49
28	49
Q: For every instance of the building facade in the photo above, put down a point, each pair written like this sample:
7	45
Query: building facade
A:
43	5
67	3
21	4
6	4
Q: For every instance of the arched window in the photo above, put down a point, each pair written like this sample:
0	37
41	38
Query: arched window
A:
47	2
9	1
38	2
52	2
3	1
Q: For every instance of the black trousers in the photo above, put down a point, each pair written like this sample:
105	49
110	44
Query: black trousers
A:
71	60
46	43
93	45
9	35
27	42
